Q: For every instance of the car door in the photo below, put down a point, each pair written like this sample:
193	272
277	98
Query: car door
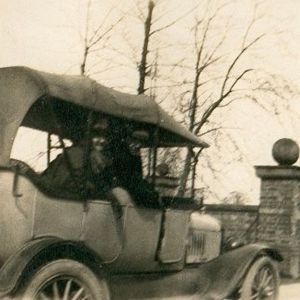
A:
57	217
141	236
131	238
125	236
175	230
154	240
102	229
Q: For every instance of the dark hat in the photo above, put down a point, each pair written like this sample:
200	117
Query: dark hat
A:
100	127
140	135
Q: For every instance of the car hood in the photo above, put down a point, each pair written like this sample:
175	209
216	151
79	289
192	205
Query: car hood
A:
204	222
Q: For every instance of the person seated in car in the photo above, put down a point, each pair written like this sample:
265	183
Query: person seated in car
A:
128	169
80	169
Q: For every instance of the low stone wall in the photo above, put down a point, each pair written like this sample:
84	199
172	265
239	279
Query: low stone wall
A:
239	221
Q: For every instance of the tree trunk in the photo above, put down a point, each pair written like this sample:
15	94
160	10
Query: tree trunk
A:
143	63
83	64
185	173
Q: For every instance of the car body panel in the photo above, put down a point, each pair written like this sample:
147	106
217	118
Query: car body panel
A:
57	217
140	240
173	243
101	231
16	213
201	221
14	267
214	280
205	238
113	238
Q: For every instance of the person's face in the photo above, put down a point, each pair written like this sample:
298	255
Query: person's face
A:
134	147
99	142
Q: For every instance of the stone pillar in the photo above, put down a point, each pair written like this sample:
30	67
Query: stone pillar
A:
279	210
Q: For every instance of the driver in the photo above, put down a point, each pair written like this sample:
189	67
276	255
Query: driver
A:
128	170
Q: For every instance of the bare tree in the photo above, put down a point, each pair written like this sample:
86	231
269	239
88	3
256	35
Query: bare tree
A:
96	38
236	198
142	68
215	79
149	69
153	25
209	91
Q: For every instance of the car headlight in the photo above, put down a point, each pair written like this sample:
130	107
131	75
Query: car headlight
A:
231	243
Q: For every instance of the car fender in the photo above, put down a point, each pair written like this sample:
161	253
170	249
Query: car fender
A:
34	254
220	277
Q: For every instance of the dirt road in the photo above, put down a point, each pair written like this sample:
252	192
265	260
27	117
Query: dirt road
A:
290	292
287	292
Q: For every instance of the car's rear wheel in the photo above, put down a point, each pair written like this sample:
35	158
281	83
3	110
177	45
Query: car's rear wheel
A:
65	279
261	282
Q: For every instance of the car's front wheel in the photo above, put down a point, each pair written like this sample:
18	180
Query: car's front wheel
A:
261	281
65	279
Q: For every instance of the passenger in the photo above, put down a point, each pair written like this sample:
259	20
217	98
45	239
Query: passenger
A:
101	173
81	167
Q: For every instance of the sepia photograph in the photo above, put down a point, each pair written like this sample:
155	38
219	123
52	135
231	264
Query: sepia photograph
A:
149	150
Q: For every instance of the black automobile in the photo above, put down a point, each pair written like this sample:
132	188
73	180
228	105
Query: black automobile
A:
58	244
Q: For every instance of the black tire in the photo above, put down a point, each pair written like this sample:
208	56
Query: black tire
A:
65	277
262	281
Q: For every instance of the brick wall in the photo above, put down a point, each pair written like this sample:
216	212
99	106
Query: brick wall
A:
239	221
279	213
276	221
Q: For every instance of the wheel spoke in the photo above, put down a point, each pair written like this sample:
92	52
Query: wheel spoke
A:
55	291
254	296
261	281
67	290
267	286
269	291
264	276
65	279
255	288
269	281
256	282
78	294
42	296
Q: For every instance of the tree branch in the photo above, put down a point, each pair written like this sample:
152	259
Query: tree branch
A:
173	22
236	59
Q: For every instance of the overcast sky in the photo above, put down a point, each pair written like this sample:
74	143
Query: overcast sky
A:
45	34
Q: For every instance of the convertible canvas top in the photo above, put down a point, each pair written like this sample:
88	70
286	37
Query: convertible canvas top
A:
21	87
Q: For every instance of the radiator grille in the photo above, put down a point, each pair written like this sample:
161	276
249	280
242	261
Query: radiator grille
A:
202	246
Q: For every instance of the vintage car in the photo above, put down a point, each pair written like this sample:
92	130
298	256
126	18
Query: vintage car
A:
58	245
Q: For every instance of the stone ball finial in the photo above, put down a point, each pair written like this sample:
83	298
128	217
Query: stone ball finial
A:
285	151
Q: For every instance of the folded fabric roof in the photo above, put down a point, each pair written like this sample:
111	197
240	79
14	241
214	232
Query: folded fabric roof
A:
21	87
